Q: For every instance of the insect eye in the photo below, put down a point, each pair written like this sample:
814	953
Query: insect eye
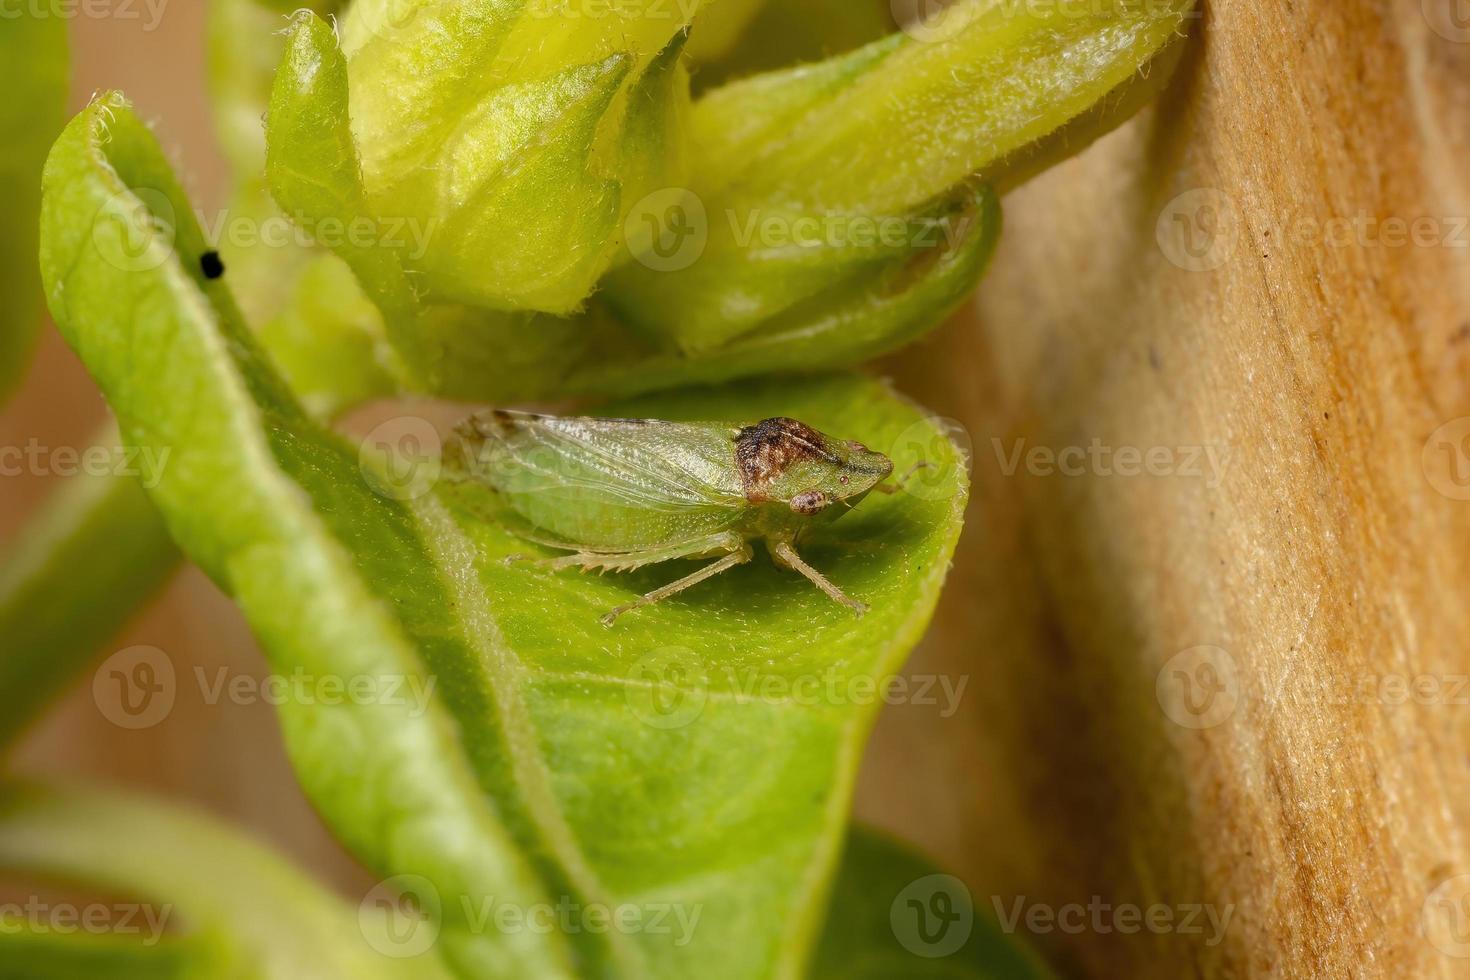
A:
809	501
842	479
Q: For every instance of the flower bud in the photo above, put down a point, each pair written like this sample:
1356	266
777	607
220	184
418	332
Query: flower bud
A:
516	130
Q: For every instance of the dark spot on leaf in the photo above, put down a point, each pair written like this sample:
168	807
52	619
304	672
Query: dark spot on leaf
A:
211	265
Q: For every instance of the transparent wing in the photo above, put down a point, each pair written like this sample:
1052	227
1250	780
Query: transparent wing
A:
627	463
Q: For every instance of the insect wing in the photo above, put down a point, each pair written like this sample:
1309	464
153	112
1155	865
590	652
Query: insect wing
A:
609	482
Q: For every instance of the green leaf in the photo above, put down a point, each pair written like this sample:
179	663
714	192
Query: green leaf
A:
894	915
459	352
809	182
898	244
500	132
312	165
33	75
951	98
99	549
742	37
156	333
325	335
244	46
27	953
70	581
198	899
540	768
328	343
516	358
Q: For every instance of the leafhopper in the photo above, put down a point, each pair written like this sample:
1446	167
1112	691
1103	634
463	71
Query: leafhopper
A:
619	494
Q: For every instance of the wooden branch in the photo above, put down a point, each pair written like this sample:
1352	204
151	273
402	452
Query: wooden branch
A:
1238	679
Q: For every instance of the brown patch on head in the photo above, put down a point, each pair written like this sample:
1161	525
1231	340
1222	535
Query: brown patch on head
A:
765	450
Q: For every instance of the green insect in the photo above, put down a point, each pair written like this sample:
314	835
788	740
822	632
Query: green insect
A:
623	493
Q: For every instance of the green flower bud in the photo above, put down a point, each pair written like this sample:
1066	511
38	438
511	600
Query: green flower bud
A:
513	135
807	183
825	214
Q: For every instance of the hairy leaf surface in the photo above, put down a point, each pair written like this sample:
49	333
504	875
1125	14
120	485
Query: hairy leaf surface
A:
544	767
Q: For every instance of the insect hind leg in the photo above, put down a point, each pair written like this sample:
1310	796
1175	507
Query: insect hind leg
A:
737	552
784	554
627	561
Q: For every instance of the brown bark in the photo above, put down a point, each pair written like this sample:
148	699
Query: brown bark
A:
1322	796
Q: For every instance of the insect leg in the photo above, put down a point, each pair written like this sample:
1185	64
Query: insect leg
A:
738	557
579	560
786	555
627	561
898	484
